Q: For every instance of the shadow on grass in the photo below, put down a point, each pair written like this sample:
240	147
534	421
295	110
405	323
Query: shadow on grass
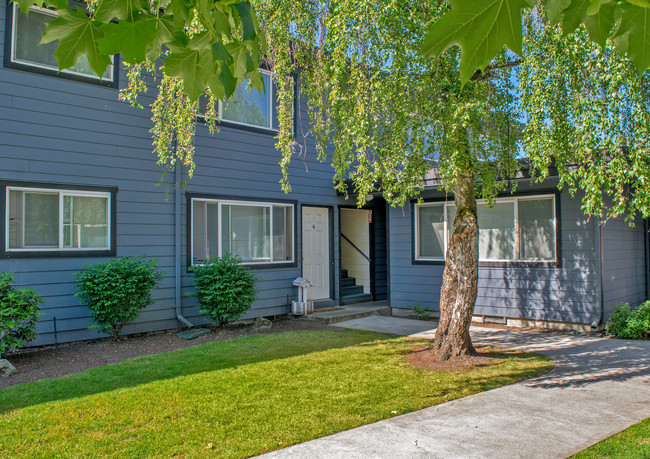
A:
202	358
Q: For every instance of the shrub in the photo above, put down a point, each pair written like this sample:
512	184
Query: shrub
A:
628	323
19	312
117	290
225	288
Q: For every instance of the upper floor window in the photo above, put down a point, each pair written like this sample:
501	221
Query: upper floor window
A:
53	220
514	229
255	232
26	52
247	106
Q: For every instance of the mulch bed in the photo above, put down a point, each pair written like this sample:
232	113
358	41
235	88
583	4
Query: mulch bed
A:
53	362
428	359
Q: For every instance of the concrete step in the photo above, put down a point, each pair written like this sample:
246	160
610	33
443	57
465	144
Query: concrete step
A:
344	273
356	298
354	311
351	290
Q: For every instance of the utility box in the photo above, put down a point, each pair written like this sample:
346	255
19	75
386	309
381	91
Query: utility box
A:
302	306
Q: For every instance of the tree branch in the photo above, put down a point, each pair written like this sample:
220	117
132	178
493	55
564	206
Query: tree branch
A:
488	72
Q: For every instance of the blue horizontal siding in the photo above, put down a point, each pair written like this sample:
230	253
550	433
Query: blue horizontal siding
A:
55	130
568	293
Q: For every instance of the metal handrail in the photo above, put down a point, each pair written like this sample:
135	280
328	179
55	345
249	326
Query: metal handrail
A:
355	247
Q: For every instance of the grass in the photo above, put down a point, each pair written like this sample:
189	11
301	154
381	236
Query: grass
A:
632	443
235	398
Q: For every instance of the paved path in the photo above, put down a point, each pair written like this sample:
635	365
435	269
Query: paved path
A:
597	388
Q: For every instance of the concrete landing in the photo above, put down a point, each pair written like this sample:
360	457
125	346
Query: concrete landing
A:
598	387
352	311
392	325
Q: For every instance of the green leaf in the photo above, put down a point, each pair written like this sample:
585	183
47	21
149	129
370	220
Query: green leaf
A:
598	17
194	66
181	10
556	9
128	38
24	5
166	32
480	29
108	10
77	35
633	35
224	86
56	4
600	25
213	17
242	61
247	20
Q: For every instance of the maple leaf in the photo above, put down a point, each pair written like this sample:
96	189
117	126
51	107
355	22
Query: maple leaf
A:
77	35
480	28
633	35
194	64
128	38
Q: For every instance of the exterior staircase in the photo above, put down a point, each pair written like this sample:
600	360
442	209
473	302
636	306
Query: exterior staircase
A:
351	292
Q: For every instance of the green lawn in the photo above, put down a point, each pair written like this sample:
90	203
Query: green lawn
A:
235	398
632	443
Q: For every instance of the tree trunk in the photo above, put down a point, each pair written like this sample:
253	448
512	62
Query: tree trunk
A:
460	278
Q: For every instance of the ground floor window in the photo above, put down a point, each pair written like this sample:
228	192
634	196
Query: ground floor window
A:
256	232
41	219
514	229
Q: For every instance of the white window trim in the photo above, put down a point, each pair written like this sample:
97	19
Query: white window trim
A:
220	203
62	194
514	200
32	64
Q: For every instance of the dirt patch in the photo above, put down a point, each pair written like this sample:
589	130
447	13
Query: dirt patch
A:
50	362
428	359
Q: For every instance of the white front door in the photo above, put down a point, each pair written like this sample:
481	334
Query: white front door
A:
316	251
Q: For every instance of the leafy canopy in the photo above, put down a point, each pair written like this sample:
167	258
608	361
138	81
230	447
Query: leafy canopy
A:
204	43
482	28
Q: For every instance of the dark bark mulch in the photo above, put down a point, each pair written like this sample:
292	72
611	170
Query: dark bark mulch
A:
53	362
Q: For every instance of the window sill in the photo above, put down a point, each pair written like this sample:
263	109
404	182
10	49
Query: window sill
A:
62	75
57	253
497	264
255	266
240	126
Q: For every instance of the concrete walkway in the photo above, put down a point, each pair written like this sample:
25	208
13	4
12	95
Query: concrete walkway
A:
597	388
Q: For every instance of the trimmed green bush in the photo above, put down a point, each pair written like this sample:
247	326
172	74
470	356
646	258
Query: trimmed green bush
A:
225	288
117	290
19	312
628	323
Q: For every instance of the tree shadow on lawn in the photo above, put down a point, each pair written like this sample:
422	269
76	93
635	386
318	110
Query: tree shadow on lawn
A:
206	357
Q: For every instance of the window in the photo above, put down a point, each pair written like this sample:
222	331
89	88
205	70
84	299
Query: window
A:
514	229
39	219
26	51
255	232
247	106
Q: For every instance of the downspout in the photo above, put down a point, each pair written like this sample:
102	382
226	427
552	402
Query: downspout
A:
177	248
646	228
598	323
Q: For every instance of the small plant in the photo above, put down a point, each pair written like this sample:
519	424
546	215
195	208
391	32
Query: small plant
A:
117	290
628	323
225	288
19	312
420	312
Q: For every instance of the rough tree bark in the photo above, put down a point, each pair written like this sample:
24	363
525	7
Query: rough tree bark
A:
460	278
